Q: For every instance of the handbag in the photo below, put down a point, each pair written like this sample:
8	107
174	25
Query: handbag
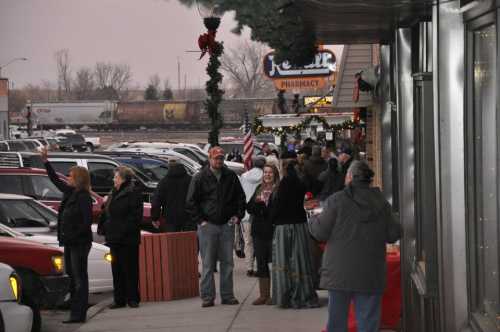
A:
239	241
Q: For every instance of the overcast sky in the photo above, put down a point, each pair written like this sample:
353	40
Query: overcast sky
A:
149	35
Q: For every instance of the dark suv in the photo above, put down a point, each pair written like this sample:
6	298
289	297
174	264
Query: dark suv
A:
72	142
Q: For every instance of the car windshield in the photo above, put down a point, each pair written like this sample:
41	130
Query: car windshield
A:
25	213
156	170
73	139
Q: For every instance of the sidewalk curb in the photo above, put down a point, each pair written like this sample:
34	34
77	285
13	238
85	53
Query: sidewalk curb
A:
98	307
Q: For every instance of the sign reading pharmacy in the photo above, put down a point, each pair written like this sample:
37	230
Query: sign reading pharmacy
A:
324	65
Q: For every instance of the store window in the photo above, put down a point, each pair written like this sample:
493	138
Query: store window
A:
483	197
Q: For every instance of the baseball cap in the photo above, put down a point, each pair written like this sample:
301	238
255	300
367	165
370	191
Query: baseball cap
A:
216	152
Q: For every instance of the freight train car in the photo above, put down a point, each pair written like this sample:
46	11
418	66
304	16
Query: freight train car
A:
178	114
60	115
149	114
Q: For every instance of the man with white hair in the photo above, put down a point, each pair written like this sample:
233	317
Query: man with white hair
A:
357	223
249	181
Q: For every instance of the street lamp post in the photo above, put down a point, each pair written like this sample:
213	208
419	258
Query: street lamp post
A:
11	61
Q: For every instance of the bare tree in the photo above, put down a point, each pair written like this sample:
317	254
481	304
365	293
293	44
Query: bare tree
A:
48	89
112	80
84	84
63	73
243	67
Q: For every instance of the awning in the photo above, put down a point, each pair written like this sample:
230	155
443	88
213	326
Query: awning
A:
360	21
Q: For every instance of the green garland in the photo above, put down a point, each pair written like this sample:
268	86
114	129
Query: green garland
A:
258	127
214	94
280	24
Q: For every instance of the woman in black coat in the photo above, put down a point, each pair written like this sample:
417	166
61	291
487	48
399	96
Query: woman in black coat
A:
262	230
74	233
120	226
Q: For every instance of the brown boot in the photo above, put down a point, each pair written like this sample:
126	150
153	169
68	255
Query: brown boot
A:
265	289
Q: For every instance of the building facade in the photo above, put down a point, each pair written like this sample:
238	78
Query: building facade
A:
439	147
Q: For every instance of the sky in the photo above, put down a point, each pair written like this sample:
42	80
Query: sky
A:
149	35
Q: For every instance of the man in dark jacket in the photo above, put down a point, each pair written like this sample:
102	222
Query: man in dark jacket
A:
331	179
216	202
312	169
169	200
345	159
357	222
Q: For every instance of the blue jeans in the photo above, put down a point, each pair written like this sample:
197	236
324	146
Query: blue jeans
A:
216	242
367	307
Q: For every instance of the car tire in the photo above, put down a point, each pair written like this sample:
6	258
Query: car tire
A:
90	147
36	325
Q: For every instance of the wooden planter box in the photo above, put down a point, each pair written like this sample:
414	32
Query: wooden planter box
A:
168	266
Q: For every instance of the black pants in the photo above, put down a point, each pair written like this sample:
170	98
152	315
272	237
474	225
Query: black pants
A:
125	268
263	249
76	261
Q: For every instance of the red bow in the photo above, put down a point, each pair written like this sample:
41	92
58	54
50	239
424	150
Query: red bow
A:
207	42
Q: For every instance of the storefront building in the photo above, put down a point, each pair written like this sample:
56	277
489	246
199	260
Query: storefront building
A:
439	147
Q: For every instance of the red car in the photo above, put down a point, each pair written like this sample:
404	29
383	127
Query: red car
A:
41	270
34	182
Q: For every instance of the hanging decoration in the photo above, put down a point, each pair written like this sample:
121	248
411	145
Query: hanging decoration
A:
259	128
206	41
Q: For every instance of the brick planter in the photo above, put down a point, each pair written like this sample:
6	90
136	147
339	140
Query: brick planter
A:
168	266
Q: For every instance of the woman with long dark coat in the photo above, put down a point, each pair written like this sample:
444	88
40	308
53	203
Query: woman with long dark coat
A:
262	230
292	274
120	225
74	233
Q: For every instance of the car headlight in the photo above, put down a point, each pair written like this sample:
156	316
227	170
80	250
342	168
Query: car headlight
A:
15	284
58	263
108	258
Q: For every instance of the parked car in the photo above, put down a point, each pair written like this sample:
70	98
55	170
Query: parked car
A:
41	270
166	154
190	151
35	183
14	316
235	145
99	262
153	167
13	145
26	215
101	168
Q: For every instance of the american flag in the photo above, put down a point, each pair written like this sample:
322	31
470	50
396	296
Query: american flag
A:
247	144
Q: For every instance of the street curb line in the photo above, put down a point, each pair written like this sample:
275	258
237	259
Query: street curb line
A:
98	307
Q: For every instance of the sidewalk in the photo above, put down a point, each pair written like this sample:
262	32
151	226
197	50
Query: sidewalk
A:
187	315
